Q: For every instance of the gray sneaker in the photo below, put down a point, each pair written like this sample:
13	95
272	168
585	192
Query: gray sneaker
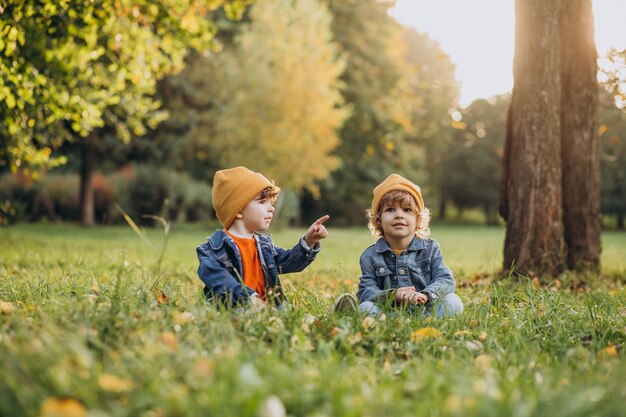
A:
346	302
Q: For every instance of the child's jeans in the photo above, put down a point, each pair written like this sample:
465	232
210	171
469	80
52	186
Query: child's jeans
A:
449	306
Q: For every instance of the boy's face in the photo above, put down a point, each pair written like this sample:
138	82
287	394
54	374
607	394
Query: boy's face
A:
257	214
398	221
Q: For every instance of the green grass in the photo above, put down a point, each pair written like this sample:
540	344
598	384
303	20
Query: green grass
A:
90	324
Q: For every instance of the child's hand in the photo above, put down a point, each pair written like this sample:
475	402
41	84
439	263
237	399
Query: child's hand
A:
316	232
256	304
407	295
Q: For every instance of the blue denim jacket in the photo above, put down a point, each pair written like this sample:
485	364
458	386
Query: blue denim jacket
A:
220	266
420	265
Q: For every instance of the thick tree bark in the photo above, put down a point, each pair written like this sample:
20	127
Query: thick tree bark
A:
579	143
534	228
86	202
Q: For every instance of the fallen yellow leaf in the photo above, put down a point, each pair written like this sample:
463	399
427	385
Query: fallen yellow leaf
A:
162	298
62	407
169	340
610	350
482	362
461	333
114	383
425	333
6	307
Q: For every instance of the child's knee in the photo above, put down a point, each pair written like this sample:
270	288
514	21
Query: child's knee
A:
370	308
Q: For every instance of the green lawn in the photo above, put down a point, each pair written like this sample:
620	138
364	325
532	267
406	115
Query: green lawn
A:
91	325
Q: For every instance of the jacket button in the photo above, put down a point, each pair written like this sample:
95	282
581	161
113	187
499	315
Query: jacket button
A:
402	271
381	270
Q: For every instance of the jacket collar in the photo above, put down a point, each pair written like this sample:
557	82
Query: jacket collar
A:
416	244
218	238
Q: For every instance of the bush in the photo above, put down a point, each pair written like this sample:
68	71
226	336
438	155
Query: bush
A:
140	190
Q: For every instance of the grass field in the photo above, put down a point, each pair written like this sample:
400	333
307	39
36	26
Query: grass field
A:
93	324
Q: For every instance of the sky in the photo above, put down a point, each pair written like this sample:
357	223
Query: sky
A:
479	37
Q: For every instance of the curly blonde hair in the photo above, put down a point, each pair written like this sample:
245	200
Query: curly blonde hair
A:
270	193
406	200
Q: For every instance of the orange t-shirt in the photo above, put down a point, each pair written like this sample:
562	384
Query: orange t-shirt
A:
252	270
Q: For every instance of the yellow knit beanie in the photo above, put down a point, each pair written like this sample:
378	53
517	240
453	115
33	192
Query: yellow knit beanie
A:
395	182
233	189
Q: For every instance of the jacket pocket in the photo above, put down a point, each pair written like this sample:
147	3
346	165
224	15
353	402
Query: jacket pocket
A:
383	276
420	274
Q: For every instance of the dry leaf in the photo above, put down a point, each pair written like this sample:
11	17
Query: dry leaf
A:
608	351
114	383
482	362
62	407
6	307
169	340
425	333
162	298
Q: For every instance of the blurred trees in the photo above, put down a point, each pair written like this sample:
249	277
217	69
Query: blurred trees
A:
387	84
78	69
612	132
280	106
549	194
469	168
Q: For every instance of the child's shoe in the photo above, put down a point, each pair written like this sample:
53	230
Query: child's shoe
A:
346	302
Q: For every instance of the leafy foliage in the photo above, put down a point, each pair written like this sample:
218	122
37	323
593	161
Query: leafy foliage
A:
279	102
73	67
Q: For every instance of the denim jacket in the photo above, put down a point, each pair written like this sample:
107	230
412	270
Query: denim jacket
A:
221	268
420	265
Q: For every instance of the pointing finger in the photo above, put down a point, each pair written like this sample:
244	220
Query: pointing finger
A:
321	220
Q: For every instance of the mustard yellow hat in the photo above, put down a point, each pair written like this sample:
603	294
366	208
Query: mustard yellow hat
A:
233	189
395	182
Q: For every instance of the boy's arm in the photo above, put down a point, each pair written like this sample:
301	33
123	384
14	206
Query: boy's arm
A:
220	282
442	282
296	258
368	286
305	251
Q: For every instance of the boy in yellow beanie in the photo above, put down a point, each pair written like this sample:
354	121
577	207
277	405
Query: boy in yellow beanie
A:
404	267
238	265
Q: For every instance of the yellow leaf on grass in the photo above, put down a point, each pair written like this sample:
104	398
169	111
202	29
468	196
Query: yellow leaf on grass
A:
482	362
610	350
461	333
6	307
169	340
114	383
62	407
162	298
425	333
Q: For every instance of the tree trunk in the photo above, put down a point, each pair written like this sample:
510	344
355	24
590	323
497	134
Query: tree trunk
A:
534	227
620	221
579	144
86	203
443	208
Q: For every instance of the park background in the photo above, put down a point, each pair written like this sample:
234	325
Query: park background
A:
116	114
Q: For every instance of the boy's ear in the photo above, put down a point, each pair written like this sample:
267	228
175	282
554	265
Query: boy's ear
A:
239	216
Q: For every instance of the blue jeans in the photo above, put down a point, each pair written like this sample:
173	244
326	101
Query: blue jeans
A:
449	306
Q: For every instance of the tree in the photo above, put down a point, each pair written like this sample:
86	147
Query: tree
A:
279	104
612	132
554	90
82	69
376	88
579	141
468	173
436	91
